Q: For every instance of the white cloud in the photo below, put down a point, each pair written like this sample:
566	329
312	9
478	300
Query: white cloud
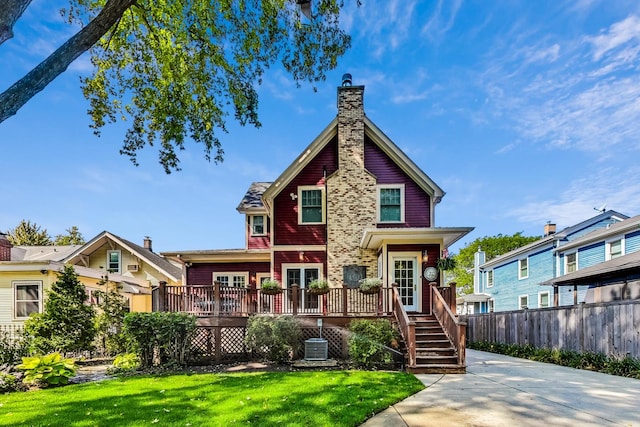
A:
442	19
619	33
576	203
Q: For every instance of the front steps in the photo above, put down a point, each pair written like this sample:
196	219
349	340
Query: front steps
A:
434	351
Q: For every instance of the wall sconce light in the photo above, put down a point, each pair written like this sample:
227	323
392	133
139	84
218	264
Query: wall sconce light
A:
293	196
43	271
188	264
425	256
301	256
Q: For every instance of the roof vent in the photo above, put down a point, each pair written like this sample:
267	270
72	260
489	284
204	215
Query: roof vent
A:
346	79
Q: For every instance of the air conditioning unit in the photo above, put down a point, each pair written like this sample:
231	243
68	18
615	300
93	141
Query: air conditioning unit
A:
132	267
316	349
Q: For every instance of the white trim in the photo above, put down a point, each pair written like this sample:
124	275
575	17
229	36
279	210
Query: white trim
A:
251	225
566	262
230	275
260	276
323	202
402	205
491	305
540	294
14	285
300	266
416	257
607	254
520	277
520	305
491	274
108	267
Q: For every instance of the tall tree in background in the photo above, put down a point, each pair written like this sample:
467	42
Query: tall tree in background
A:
73	237
29	234
175	70
67	323
492	246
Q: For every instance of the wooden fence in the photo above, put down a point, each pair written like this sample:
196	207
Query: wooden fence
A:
611	328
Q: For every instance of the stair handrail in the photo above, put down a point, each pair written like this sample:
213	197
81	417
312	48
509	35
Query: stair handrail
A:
406	325
454	328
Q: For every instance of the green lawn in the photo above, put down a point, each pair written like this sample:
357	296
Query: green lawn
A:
323	398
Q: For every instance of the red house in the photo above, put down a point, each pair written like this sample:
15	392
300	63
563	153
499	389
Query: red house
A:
352	205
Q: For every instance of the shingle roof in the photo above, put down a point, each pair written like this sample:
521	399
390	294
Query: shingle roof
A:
614	266
252	200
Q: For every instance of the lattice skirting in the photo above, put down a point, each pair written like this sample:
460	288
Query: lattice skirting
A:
215	344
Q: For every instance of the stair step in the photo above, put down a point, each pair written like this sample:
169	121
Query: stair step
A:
440	368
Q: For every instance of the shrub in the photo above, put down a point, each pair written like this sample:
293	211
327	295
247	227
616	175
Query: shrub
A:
276	339
126	362
112	308
368	340
49	370
12	349
9	383
159	338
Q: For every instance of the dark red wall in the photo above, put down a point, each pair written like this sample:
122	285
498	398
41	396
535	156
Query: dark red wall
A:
293	257
257	242
202	274
287	230
387	172
433	252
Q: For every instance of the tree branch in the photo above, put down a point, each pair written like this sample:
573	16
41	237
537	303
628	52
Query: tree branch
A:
10	11
37	79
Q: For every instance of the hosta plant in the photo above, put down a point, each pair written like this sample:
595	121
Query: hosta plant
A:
49	370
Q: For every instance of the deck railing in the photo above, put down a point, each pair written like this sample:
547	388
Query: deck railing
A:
217	300
406	326
452	326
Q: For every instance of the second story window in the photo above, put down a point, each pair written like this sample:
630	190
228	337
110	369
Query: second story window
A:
489	278
258	225
571	263
391	203
310	205
614	249
113	261
523	268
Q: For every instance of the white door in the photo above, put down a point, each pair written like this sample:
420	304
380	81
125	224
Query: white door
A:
405	274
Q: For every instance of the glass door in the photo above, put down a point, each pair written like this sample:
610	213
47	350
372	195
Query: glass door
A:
405	274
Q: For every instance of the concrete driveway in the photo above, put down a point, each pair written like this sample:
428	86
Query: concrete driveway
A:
506	391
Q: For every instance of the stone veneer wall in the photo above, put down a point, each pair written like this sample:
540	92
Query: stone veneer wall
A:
351	191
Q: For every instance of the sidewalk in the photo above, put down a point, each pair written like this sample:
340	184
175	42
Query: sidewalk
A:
505	391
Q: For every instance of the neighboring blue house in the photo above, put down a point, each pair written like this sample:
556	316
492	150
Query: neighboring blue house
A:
513	281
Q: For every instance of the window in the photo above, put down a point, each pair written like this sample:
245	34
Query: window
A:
391	203
571	264
235	280
523	302
523	268
303	275
614	249
491	305
113	261
543	299
258	227
26	298
310	205
489	278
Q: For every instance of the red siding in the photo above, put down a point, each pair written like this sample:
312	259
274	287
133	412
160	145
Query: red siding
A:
202	274
433	252
257	242
293	257
387	172
287	230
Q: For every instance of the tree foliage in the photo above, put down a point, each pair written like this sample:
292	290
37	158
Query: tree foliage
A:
112	308
29	234
492	246
67	323
73	237
174	71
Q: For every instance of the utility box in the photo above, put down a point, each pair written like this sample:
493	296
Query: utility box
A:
316	349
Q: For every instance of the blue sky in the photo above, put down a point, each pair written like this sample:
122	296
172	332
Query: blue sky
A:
523	112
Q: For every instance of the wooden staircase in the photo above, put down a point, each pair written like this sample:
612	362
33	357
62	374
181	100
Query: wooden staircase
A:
434	351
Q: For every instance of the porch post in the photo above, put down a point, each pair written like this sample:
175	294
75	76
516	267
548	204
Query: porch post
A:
295	288
162	295
452	297
344	299
216	299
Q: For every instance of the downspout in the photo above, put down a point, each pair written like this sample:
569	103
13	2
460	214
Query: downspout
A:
326	222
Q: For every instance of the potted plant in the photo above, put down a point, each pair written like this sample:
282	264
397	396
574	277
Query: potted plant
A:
318	287
370	285
446	263
270	287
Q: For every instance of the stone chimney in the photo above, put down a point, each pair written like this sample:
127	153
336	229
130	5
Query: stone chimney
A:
147	243
549	229
351	190
5	248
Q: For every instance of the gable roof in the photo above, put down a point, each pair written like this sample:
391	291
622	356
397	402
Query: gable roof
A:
252	200
617	228
613	268
160	263
378	138
552	238
42	253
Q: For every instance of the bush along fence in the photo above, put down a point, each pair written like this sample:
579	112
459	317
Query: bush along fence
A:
604	328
